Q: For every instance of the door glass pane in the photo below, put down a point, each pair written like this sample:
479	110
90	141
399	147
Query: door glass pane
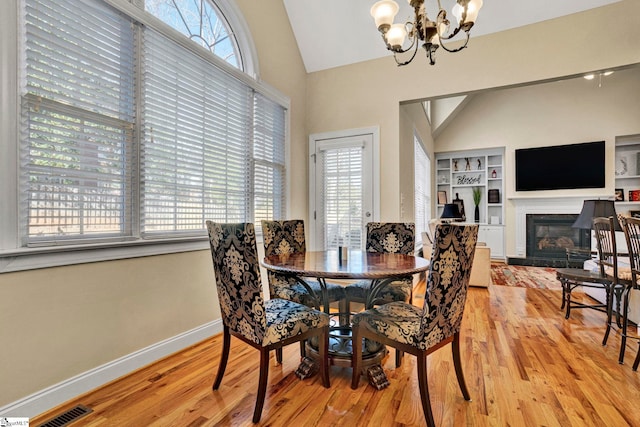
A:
342	195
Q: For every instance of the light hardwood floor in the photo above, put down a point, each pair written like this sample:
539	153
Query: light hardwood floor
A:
525	365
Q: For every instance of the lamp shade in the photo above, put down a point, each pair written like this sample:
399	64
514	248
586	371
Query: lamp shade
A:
383	12
451	210
596	209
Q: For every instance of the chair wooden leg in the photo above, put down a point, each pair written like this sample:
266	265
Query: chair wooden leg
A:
303	349
356	361
279	355
399	355
637	361
625	321
455	349
224	356
424	389
323	350
262	384
609	314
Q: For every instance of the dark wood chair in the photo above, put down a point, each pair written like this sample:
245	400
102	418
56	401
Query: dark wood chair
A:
264	325
421	331
631	228
574	275
609	261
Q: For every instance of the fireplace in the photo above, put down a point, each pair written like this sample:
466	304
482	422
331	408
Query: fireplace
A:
549	235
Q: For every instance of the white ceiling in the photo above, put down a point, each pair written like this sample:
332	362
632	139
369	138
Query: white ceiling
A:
331	33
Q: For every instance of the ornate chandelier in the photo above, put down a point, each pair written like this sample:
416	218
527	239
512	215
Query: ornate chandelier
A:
432	34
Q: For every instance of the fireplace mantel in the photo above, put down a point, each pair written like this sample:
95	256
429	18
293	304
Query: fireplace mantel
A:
524	206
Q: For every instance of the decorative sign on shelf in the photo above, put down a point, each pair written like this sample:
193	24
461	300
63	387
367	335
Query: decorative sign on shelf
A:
468	179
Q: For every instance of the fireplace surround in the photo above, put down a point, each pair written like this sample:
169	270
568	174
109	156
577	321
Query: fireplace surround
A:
551	208
548	236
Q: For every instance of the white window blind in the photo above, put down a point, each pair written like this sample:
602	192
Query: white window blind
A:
77	121
269	162
422	189
342	194
196	155
127	134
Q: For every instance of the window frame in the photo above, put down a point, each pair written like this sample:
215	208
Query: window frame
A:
15	257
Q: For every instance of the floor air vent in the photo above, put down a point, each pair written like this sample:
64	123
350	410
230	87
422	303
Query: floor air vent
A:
68	417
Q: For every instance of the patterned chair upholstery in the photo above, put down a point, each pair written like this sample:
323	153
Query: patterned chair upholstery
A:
265	325
391	238
420	331
287	237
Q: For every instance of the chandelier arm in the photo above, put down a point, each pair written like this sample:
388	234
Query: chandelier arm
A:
466	42
395	57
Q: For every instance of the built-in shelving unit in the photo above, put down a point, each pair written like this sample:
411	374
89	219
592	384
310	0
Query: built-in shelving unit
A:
458	173
627	171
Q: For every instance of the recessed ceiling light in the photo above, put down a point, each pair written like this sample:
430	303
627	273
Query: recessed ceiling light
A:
589	76
608	73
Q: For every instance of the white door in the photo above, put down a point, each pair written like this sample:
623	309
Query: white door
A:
343	188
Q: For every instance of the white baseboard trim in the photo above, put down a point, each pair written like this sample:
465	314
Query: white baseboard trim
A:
57	394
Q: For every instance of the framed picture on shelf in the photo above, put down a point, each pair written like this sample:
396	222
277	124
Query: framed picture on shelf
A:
634	214
619	196
442	197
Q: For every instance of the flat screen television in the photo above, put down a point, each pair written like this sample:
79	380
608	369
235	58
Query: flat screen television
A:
561	167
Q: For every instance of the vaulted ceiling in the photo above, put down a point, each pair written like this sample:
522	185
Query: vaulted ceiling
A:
332	33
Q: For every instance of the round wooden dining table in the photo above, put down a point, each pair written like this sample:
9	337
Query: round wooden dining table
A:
380	268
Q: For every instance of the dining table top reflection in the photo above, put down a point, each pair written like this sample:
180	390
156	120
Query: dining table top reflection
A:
357	264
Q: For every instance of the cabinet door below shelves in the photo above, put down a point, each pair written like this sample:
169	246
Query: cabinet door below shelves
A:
493	236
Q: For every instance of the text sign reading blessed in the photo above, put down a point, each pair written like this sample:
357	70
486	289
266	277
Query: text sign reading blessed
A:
469	179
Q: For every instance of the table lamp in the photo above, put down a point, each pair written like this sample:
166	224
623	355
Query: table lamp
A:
451	211
596	209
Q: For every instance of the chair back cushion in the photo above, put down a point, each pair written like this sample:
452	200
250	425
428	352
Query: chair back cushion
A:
447	283
391	237
283	237
235	262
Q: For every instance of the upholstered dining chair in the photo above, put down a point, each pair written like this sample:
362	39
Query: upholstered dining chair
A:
420	331
631	228
386	237
288	237
389	238
264	325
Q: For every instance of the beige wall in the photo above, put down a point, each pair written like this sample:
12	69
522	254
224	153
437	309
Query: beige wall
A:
59	322
563	112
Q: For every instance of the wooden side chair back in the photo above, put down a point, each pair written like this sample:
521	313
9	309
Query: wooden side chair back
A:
631	227
607	249
288	237
609	266
264	325
420	331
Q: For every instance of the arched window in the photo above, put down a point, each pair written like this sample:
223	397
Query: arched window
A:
202	22
134	134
